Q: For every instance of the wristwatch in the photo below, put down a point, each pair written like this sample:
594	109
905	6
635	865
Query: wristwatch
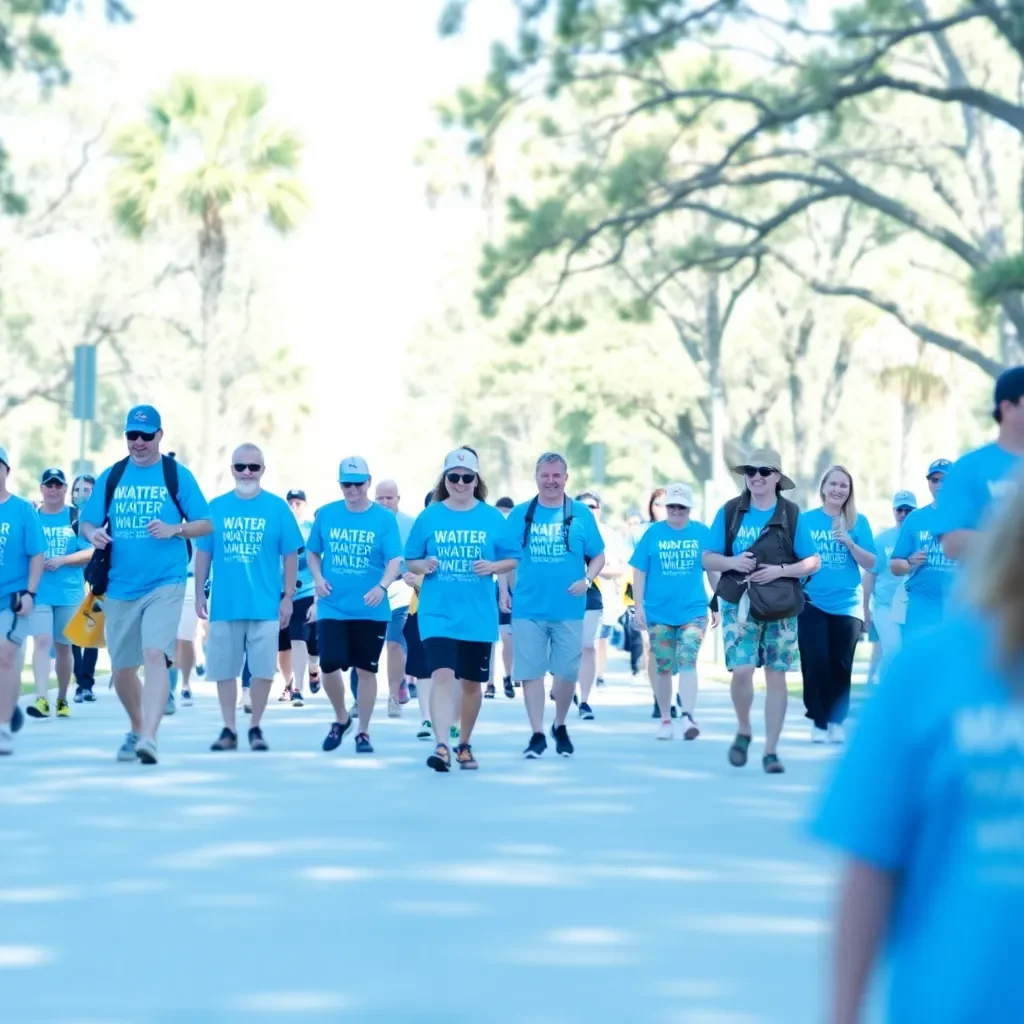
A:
31	593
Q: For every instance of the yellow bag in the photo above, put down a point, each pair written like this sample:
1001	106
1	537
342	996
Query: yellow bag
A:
86	626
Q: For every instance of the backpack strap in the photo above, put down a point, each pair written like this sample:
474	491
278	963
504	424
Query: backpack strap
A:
170	467
73	519
735	510
568	509
531	511
113	479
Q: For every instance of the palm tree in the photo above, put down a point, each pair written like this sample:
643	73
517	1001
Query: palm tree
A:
208	151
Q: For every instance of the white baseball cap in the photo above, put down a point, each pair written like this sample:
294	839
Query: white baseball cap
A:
353	470
679	494
462	458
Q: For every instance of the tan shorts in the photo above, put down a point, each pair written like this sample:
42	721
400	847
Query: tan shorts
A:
228	643
149	623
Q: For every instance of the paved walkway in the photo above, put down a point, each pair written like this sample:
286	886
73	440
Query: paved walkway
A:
639	881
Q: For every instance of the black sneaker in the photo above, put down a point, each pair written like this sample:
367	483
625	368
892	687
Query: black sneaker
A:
656	713
17	718
363	744
441	759
510	690
89	697
314	682
297	699
489	691
563	745
227	741
537	745
334	737
675	711
256	740
586	712
600	682
78	695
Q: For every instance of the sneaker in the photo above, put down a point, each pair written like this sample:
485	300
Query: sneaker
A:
426	730
337	733
394	708
145	751
227	740
836	733
510	690
200	671
665	730
818	735
297	699
586	712
39	708
403	694
78	695
256	740
656	711
537	745
441	759
6	741
363	744
563	745
186	698
414	691
17	720
63	708
690	729
576	699
675	711
600	682
169	709
454	734
89	697
241	698
464	755
286	695
489	692
314	682
247	707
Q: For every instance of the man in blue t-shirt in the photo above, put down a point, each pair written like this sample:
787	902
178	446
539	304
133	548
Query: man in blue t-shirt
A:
22	551
148	531
562	555
254	536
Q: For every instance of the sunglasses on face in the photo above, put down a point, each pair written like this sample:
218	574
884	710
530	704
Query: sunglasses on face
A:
253	467
54	483
765	471
676	508
460	478
593	508
139	435
350	484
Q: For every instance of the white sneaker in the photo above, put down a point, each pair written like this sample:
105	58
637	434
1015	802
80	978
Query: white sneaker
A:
6	741
241	697
690	728
818	735
426	731
145	751
394	708
665	731
836	733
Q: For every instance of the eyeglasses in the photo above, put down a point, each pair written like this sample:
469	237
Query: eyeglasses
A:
677	508
253	467
139	435
593	508
764	471
460	478
351	483
936	478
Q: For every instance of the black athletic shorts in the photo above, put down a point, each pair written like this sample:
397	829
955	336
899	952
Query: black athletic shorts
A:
415	657
468	659
350	643
299	628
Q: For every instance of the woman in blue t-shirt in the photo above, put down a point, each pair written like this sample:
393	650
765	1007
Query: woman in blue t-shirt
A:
833	617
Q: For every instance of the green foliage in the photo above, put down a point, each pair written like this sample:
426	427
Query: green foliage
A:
999	279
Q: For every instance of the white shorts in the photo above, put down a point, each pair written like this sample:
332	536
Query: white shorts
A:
189	620
229	643
592	619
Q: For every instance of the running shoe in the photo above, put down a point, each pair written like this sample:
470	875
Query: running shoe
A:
576	699
836	733
772	765
297	699
256	740
39	708
63	708
227	740
537	745
78	695
441	759
246	706
89	697
426	730
394	708
17	719
665	730
563	745
690	729
586	712
145	751
314	682
818	735
454	734
6	741
656	712
414	691
169	708
464	755
286	695
337	733
489	692
675	711
403	693
510	690
200	671
186	697
363	744
600	682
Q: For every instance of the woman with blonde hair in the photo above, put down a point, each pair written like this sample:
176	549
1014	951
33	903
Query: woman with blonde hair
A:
834	612
926	806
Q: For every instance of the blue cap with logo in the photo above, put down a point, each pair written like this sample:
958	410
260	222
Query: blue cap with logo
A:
939	466
904	499
144	418
4	459
53	473
353	470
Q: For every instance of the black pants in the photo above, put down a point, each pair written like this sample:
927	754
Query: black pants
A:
85	666
827	645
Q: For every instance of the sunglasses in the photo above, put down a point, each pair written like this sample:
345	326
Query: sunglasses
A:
139	435
765	471
460	478
352	484
253	467
54	483
677	508
593	508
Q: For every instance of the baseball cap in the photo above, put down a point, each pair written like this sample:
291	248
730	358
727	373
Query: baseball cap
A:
679	494
462	458
939	466
353	470
4	459
53	474
144	418
295	496
904	499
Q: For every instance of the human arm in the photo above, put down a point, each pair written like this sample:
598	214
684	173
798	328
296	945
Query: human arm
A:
805	567
504	593
869	589
80	557
291	571
581	586
715	562
204	557
376	594
483	567
192	529
316	567
639	582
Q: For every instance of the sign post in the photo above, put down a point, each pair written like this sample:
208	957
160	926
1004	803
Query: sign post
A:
83	403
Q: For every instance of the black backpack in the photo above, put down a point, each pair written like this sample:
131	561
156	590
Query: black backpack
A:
567	517
73	518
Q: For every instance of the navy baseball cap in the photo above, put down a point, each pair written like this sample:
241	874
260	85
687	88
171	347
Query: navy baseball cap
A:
144	418
1009	386
939	466
53	474
295	496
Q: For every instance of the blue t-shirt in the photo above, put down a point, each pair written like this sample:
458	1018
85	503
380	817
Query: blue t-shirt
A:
250	537
66	585
21	539
974	487
836	587
674	591
454	602
928	585
930	791
886	584
546	568
751	525
140	563
304	578
356	548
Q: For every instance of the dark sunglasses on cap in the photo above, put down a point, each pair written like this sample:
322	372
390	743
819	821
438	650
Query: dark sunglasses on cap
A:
139	435
253	467
764	471
460	478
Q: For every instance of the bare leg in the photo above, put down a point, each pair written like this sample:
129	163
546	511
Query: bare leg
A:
423	690
506	653
588	673
663	691
259	694
10	680
154	693
41	664
334	687
649	661
472	700
533	698
396	668
65	665
742	691
227	694
602	655
299	660
688	689
441	689
129	692
563	690
185	660
367	697
284	663
775	702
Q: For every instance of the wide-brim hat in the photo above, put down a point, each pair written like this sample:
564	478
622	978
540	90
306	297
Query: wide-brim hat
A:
766	457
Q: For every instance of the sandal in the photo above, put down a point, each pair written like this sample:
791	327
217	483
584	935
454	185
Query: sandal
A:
738	750
772	765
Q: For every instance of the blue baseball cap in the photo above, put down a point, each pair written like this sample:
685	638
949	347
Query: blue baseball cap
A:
939	466
53	473
144	418
353	470
4	459
904	499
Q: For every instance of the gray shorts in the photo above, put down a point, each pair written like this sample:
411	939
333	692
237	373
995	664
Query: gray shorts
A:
51	620
228	643
541	647
149	623
15	628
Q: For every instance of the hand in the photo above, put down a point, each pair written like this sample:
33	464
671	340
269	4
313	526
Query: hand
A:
284	612
100	538
52	564
716	619
311	614
580	587
431	565
483	568
744	563
202	612
640	620
27	606
918	558
766	574
839	533
505	603
373	597
160	530
410	578
322	587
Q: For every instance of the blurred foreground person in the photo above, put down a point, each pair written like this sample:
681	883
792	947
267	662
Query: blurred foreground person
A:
927	805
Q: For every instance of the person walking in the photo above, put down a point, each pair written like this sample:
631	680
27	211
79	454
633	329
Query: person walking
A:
84	658
835	611
561	554
761	545
298	654
142	517
458	544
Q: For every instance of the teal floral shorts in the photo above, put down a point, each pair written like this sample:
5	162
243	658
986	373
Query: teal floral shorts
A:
675	648
771	645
